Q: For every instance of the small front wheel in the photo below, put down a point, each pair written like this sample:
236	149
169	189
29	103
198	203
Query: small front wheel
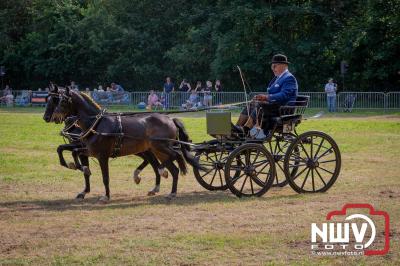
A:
249	170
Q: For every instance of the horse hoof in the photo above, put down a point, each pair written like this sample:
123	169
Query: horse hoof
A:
170	196
86	170
104	199
151	193
137	180
80	196
72	166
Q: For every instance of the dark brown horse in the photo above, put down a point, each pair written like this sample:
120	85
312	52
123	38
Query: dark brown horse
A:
111	135
81	161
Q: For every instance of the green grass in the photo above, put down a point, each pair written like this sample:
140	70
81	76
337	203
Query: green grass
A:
42	224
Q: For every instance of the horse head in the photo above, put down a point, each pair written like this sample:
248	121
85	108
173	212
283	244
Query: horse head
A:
52	101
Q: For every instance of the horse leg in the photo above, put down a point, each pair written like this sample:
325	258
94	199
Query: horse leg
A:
85	162
60	149
75	154
167	155
175	174
103	161
155	165
137	171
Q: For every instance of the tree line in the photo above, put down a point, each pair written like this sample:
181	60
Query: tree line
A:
137	43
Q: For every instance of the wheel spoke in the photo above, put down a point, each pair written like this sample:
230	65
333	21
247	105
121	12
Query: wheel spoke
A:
324	154
207	172
312	177
319	147
305	179
280	166
257	164
251	185
323	181
296	165
304	149
244	182
220	177
311	147
234	179
262	168
329	161
325	170
212	180
302	171
255	159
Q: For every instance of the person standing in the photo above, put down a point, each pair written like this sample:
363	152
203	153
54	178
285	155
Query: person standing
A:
185	86
330	90
207	101
168	88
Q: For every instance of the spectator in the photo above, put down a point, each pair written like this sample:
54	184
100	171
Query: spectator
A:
73	86
116	87
168	88
153	101
193	101
8	97
100	88
330	90
198	87
185	86
218	86
207	94
7	90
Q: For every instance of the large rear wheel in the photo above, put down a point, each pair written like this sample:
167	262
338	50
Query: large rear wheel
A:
317	159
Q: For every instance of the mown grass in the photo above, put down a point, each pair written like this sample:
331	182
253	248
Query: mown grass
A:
40	223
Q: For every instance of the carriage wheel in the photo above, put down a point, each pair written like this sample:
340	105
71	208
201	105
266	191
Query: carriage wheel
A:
249	170
277	147
213	178
319	162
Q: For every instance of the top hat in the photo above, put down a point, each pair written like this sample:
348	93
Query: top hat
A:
279	59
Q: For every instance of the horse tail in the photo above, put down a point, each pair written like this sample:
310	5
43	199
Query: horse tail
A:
181	163
183	136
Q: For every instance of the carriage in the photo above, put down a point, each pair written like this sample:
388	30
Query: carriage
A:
309	162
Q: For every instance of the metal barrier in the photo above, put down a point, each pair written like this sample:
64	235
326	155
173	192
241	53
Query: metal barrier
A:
176	99
361	100
392	100
318	100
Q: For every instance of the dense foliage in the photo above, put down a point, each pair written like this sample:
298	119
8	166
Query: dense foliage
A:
139	42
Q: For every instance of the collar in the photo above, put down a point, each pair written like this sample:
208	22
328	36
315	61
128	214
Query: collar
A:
283	73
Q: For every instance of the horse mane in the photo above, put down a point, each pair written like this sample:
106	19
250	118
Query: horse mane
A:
90	100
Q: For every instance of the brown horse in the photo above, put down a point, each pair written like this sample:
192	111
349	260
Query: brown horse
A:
110	135
81	162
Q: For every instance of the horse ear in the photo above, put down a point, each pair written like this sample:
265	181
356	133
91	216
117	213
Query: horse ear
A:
55	88
67	91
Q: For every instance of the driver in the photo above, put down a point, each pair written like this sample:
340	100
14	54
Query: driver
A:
281	90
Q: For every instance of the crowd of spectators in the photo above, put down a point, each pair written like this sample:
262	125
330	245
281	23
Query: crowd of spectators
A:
198	95
190	95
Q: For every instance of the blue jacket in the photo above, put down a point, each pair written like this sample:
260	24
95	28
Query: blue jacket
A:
283	90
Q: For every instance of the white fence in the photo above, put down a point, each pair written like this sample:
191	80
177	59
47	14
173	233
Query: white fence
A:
357	100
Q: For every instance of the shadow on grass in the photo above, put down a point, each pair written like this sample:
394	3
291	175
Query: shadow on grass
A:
92	203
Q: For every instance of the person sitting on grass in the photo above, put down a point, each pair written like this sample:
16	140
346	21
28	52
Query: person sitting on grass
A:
193	101
153	101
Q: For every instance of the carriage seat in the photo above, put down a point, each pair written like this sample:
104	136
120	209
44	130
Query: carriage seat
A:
291	113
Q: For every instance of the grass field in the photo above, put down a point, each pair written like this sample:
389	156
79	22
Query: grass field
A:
41	223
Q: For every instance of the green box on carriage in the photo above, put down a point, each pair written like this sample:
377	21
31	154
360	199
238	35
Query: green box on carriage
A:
218	123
